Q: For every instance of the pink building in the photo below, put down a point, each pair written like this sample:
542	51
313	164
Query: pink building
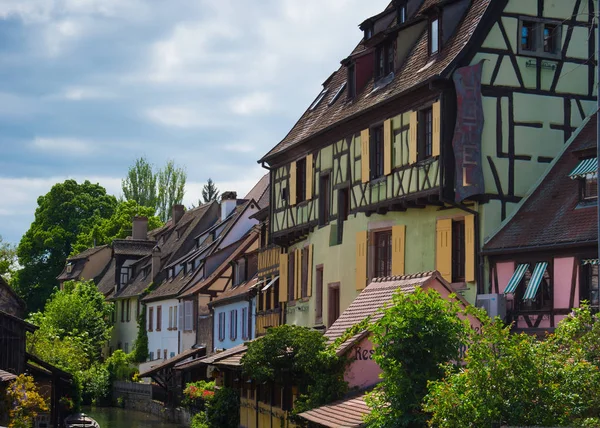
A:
544	257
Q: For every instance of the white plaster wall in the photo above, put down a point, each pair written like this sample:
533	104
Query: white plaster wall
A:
165	338
124	332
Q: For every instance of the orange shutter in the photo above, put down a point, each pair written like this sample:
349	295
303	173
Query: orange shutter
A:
387	147
310	270
443	253
310	172
364	155
436	131
412	137
292	183
283	277
398	249
298	273
470	248
361	260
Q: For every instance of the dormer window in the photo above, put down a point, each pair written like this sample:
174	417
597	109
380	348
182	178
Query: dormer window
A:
385	60
351	81
589	187
368	31
402	13
69	267
434	35
586	172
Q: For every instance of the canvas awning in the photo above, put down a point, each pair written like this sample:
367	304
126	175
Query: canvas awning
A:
589	262
535	281
585	167
266	287
516	278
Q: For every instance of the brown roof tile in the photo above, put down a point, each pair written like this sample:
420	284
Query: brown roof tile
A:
234	293
6	376
259	190
87	253
344	413
412	73
132	247
551	215
190	353
107	282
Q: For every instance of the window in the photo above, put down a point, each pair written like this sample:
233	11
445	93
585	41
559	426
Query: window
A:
425	135
122	310
343	211
376	152
233	324
300	180
128	310
221	326
151	358
151	319
324	199
333	303
126	348
402	13
124	278
542	299
540	37
158	318
458	251
351	81
589	187
337	94
239	274
69	267
172	354
368	31
164	354
158	354
175	317
589	290
291	275
385	60
170	318
319	296
318	100
245	334
383	254
434	36
304	279
188	316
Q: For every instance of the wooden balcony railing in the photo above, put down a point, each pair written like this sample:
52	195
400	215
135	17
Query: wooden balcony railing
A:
266	319
268	260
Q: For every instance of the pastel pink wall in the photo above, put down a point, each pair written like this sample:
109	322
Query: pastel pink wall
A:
563	275
363	371
505	272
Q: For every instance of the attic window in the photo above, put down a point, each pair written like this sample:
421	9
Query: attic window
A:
589	187
69	267
385	60
434	35
351	81
318	99
402	13
337	94
368	31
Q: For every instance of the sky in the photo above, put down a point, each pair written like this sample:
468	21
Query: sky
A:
88	86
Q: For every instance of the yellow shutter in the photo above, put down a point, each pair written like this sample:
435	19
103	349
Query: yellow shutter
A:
309	177
387	147
283	277
364	155
398	246
412	137
293	183
443	253
298	267
361	260
470	248
310	269
436	131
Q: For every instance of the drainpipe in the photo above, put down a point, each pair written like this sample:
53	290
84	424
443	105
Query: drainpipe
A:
598	115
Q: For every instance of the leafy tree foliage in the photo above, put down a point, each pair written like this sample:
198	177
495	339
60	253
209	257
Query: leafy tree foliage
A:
223	410
140	184
293	355
8	259
140	347
417	333
171	189
26	402
118	226
518	380
210	192
66	211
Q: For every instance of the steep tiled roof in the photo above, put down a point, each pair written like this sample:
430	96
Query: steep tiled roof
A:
132	247
77	266
234	293
107	283
169	287
166	364
260	191
87	253
344	413
416	69
551	214
139	283
375	296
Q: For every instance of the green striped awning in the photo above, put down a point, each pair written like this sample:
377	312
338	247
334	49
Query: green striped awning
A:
589	262
516	278
584	167
535	280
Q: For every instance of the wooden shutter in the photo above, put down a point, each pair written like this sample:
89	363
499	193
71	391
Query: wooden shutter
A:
436	131
364	155
443	253
387	147
292	183
398	249
310	173
470	248
298	280
361	260
283	277
412	137
310	270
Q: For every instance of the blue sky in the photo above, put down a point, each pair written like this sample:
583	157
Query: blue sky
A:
88	86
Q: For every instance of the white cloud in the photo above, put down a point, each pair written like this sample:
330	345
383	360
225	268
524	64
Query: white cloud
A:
177	117
80	93
253	103
63	146
239	148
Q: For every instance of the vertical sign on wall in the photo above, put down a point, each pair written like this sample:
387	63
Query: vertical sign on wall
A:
468	132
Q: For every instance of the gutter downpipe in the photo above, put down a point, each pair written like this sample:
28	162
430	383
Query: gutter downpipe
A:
598	112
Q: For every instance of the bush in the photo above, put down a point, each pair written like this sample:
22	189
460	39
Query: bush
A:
199	421
26	402
95	384
196	394
223	411
119	366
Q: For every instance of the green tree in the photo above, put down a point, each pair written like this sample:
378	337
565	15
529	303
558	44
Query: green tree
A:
209	192
293	355
171	189
140	184
223	410
8	259
417	333
65	212
140	347
118	226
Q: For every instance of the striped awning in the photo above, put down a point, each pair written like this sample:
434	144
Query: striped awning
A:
516	278
584	167
589	262
535	281
266	287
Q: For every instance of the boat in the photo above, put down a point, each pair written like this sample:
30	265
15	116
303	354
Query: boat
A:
80	420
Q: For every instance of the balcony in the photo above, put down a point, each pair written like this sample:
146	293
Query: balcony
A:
268	261
266	319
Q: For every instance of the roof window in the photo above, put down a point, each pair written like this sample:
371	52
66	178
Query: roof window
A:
337	94
318	100
434	35
401	11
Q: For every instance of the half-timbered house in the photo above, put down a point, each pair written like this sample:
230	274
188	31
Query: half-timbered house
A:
422	142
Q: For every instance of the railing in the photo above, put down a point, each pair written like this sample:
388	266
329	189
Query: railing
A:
268	260
271	318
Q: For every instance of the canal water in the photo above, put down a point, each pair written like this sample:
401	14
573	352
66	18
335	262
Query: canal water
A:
115	417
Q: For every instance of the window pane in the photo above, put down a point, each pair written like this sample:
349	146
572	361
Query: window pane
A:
527	36
434	36
550	34
593	281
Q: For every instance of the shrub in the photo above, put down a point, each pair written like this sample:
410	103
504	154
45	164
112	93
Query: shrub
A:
95	384
26	402
119	366
199	421
196	394
223	410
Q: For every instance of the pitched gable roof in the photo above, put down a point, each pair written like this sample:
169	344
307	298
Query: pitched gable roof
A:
551	215
87	253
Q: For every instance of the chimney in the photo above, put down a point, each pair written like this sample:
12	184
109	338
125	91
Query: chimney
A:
228	203
155	262
177	213
140	228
